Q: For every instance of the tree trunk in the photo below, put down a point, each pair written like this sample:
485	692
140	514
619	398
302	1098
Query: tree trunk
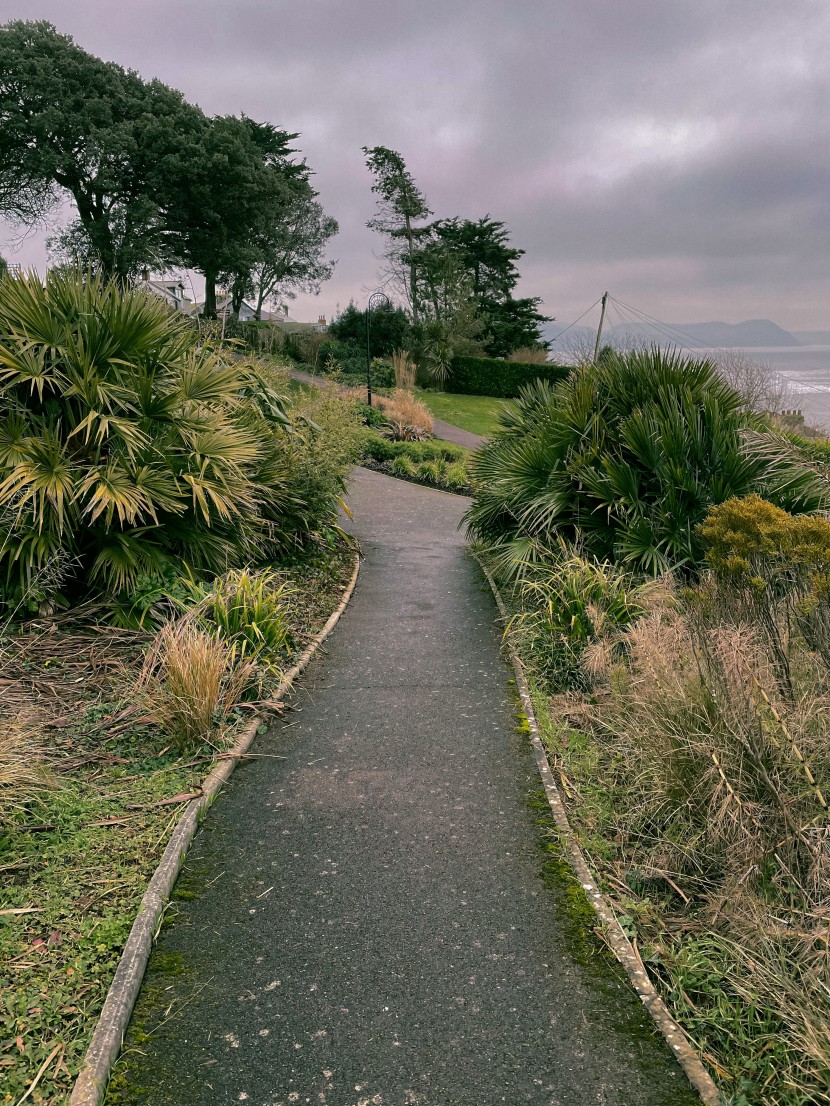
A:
210	294
99	232
237	295
413	278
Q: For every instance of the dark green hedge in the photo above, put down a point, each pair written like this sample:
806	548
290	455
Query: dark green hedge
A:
489	376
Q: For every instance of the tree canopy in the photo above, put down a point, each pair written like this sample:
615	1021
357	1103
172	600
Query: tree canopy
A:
73	124
155	182
458	275
289	249
391	328
480	250
401	207
224	195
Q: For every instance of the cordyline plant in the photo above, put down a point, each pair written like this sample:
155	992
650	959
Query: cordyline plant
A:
627	456
124	445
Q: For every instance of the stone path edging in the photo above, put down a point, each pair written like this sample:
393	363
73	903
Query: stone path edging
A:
622	948
118	1006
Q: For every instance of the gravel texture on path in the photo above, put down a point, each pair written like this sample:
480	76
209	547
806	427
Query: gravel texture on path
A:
370	923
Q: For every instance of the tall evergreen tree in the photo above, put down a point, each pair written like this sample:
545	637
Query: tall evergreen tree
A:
481	249
224	194
401	208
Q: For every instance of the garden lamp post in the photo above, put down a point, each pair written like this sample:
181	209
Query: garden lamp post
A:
374	300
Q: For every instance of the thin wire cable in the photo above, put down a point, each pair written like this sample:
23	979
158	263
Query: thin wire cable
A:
615	311
676	337
632	321
582	316
667	329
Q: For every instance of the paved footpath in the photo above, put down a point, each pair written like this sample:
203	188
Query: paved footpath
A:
371	926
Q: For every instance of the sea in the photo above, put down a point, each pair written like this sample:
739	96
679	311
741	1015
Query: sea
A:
807	372
806	369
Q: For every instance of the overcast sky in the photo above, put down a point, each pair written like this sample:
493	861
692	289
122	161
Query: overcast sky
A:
675	152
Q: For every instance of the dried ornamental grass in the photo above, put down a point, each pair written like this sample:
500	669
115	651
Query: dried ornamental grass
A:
191	683
405	370
710	754
24	773
409	417
529	355
703	789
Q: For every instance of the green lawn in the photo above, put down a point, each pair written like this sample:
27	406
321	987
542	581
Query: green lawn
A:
478	414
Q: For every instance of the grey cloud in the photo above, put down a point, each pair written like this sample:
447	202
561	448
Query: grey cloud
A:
677	151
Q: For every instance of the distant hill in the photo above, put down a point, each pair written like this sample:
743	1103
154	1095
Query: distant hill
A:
753	332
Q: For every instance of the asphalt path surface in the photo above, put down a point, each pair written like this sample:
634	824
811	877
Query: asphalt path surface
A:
367	922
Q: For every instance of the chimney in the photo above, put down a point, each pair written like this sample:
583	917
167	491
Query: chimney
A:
321	321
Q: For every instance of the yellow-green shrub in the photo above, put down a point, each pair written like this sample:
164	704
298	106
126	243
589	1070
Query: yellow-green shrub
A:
773	569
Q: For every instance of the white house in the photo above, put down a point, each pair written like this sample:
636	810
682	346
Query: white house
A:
172	292
223	306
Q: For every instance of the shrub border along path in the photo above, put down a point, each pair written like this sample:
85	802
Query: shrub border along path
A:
619	943
108	1037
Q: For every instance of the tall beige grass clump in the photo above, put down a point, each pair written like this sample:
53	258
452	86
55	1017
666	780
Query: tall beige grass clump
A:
710	745
191	683
24	773
529	355
408	416
718	790
405	370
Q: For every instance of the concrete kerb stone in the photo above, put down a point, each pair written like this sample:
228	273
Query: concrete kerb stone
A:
621	946
108	1037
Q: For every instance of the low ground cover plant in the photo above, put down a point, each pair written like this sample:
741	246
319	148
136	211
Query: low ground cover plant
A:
436	464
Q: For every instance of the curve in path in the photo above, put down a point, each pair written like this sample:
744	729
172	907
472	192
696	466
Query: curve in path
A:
449	433
369	922
443	430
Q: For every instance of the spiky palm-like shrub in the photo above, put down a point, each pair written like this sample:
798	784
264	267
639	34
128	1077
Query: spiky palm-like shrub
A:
625	456
124	445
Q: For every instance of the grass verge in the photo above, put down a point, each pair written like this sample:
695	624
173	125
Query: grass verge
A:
477	414
742	967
